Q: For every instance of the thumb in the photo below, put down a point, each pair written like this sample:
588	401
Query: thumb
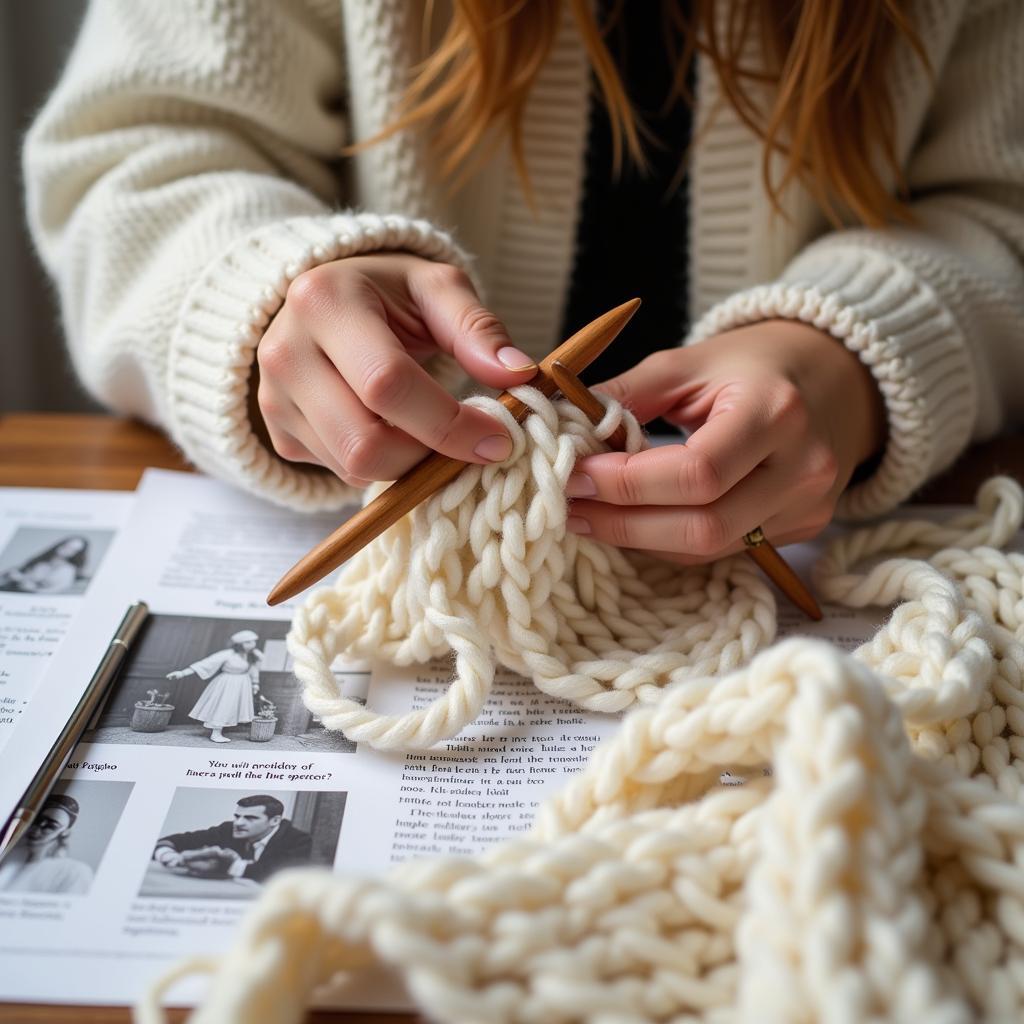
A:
469	332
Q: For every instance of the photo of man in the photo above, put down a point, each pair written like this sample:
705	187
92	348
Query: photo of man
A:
258	841
226	843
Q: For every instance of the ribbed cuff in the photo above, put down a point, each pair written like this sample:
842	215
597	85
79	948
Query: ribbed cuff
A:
223	318
898	328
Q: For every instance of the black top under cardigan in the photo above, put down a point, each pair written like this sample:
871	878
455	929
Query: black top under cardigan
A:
632	233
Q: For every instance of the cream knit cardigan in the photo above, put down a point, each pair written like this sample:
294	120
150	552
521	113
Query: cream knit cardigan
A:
185	170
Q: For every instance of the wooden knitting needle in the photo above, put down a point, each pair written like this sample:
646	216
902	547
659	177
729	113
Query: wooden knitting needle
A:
780	572
436	470
771	562
583	398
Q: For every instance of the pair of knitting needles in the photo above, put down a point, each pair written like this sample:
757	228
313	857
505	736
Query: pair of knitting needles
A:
558	372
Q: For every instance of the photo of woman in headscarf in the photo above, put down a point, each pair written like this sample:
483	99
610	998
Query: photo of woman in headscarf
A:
234	679
55	571
40	862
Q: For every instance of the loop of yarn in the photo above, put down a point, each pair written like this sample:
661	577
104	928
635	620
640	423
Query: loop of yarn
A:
486	569
876	874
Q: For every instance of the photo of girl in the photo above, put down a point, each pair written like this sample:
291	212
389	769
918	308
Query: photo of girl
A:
63	850
57	570
244	691
234	675
40	863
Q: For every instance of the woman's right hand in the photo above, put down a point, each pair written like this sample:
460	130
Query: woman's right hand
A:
341	381
177	674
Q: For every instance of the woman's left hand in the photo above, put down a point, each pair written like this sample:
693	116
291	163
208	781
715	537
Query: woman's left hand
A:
780	415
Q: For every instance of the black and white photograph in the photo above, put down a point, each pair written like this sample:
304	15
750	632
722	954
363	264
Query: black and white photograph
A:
39	560
197	681
61	852
225	843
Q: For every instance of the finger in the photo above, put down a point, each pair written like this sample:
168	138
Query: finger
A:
389	382
465	329
281	421
780	530
714	459
288	446
652	387
694	530
357	443
324	459
295	441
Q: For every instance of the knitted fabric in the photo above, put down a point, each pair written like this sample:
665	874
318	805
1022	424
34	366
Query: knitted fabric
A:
487	570
876	874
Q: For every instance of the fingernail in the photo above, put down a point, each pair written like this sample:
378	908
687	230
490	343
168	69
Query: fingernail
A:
577	524
512	359
579	485
495	448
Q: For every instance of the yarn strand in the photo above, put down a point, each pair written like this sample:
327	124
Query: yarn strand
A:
486	570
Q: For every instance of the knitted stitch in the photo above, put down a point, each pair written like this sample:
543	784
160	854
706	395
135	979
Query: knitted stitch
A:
486	565
876	874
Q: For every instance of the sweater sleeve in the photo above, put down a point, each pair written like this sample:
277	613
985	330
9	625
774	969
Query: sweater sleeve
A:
181	174
934	309
216	835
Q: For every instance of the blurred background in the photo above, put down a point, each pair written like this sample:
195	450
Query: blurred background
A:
35	38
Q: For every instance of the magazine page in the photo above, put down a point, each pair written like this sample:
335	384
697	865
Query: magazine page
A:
204	773
52	543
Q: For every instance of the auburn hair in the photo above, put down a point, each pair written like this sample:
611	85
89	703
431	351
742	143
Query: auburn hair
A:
826	110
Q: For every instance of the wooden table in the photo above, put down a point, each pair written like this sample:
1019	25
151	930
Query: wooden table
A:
105	452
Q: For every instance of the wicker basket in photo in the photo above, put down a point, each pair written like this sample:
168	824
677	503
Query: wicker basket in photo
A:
262	729
151	717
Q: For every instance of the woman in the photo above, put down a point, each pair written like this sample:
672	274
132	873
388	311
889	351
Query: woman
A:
846	246
55	571
40	862
234	675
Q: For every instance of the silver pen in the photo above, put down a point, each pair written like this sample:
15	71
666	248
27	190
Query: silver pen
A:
95	693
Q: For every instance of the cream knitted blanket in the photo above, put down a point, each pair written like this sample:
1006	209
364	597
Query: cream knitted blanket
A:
486	569
876	874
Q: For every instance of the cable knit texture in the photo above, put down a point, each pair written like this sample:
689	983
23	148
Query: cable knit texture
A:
485	569
186	168
873	874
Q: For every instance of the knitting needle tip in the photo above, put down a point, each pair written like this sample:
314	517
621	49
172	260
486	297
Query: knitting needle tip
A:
436	469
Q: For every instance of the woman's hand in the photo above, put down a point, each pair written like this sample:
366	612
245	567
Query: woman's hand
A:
781	414
340	380
179	674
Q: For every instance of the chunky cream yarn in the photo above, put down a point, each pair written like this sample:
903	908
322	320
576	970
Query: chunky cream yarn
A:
486	569
876	874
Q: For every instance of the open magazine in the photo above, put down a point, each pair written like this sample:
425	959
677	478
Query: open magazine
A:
204	773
